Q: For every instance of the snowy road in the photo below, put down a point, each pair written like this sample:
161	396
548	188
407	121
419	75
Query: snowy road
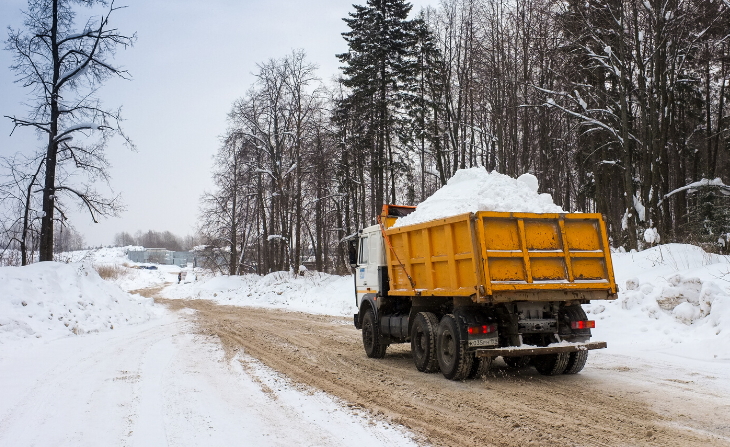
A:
159	384
616	401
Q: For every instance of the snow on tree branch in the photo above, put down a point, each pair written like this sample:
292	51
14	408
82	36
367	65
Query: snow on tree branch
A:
692	187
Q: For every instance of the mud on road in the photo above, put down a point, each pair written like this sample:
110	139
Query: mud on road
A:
504	408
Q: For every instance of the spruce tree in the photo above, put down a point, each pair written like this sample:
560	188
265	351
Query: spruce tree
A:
426	106
708	218
377	67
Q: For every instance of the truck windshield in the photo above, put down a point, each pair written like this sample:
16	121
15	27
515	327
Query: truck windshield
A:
363	251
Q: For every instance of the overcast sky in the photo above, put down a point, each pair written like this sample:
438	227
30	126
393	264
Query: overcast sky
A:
192	59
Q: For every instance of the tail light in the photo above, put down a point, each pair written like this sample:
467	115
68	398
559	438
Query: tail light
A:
483	329
590	324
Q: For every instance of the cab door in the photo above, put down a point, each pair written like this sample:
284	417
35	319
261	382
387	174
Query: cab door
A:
370	256
363	255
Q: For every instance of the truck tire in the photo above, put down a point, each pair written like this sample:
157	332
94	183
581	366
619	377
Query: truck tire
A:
551	364
517	362
479	367
577	359
576	362
423	342
374	347
455	362
573	313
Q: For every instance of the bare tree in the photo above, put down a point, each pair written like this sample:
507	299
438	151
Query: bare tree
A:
20	204
124	239
63	68
221	212
67	239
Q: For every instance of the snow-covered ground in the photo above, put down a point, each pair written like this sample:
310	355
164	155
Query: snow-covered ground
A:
83	362
674	303
134	275
671	322
51	300
314	292
157	384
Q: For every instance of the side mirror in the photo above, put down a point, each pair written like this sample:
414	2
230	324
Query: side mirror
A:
352	251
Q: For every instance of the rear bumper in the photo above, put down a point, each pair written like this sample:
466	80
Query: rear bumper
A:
518	351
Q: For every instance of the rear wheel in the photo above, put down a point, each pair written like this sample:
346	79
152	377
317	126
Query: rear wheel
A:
551	364
577	359
423	342
517	362
479	367
455	362
576	362
374	347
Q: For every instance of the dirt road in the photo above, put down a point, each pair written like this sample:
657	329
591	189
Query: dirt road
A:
506	408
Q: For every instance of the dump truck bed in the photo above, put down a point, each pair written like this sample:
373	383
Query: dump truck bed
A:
496	256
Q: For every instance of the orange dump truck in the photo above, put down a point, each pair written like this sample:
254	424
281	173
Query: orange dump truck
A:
469	288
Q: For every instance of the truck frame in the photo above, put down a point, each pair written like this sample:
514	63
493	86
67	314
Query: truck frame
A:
468	288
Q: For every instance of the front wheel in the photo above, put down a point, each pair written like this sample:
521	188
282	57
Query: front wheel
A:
374	347
455	362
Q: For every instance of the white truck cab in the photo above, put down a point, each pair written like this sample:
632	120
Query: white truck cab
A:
370	256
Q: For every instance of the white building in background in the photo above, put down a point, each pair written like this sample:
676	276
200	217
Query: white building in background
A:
163	256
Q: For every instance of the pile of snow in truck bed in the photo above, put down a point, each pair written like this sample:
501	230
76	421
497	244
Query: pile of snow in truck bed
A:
476	189
51	299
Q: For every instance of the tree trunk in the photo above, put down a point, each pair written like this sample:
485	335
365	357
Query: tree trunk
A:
49	188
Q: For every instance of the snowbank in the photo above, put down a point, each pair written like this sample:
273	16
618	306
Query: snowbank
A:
317	293
103	255
674	300
51	299
140	278
475	189
132	275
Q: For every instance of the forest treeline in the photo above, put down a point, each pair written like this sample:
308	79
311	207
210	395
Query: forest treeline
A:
155	239
615	105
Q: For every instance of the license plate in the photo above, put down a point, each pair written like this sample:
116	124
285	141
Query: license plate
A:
483	342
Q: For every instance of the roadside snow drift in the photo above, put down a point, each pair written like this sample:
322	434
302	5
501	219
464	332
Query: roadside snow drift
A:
673	300
317	293
132	275
476	189
50	299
